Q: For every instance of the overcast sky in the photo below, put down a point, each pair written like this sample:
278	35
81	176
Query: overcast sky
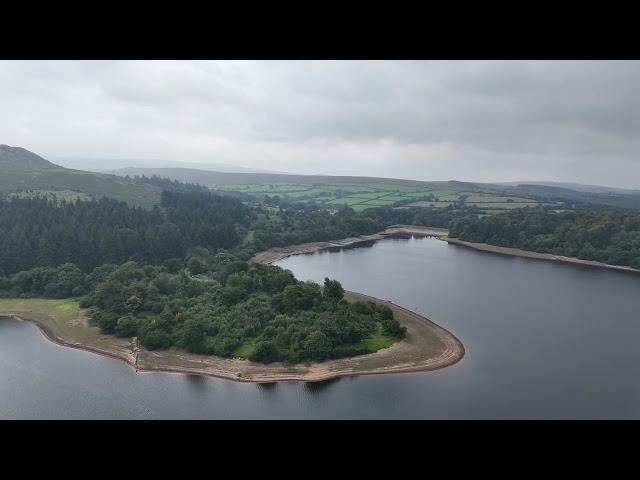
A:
470	121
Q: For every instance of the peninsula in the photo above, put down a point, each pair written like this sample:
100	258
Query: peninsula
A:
426	346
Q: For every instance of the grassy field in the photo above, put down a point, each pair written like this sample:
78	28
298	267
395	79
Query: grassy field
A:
360	196
246	349
378	341
423	204
61	314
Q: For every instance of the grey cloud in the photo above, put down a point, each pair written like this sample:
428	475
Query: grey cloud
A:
574	121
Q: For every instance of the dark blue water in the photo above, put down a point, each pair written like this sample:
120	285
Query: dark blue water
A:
542	339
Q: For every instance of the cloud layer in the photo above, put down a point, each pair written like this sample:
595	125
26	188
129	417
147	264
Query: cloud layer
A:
473	121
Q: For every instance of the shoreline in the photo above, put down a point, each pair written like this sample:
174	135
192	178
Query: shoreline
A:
276	254
516	252
412	354
53	338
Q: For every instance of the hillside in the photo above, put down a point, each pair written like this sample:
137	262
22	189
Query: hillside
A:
216	179
359	193
17	159
22	170
611	199
578	187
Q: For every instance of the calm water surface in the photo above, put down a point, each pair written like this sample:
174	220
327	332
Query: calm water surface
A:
543	340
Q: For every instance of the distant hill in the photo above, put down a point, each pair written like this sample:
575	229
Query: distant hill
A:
22	170
213	179
541	192
577	187
556	193
112	165
17	159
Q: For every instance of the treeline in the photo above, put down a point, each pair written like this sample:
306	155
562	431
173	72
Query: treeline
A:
170	185
604	235
37	232
229	305
303	223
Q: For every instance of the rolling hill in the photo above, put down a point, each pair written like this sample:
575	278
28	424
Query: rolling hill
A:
22	170
217	179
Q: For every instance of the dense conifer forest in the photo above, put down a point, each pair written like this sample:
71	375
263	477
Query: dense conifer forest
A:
44	232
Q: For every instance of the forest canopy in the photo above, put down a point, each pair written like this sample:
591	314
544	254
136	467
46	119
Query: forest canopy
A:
228	306
36	232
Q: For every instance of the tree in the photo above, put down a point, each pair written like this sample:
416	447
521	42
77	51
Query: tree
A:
333	289
126	327
133	304
196	265
265	352
193	336
317	346
301	296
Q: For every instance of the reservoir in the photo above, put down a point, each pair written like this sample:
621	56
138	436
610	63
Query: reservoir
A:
543	340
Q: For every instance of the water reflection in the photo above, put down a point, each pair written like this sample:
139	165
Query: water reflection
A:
197	382
319	387
267	387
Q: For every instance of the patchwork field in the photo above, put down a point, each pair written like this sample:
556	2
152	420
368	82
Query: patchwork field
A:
358	196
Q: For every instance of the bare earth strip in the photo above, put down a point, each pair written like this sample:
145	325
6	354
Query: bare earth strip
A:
427	346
